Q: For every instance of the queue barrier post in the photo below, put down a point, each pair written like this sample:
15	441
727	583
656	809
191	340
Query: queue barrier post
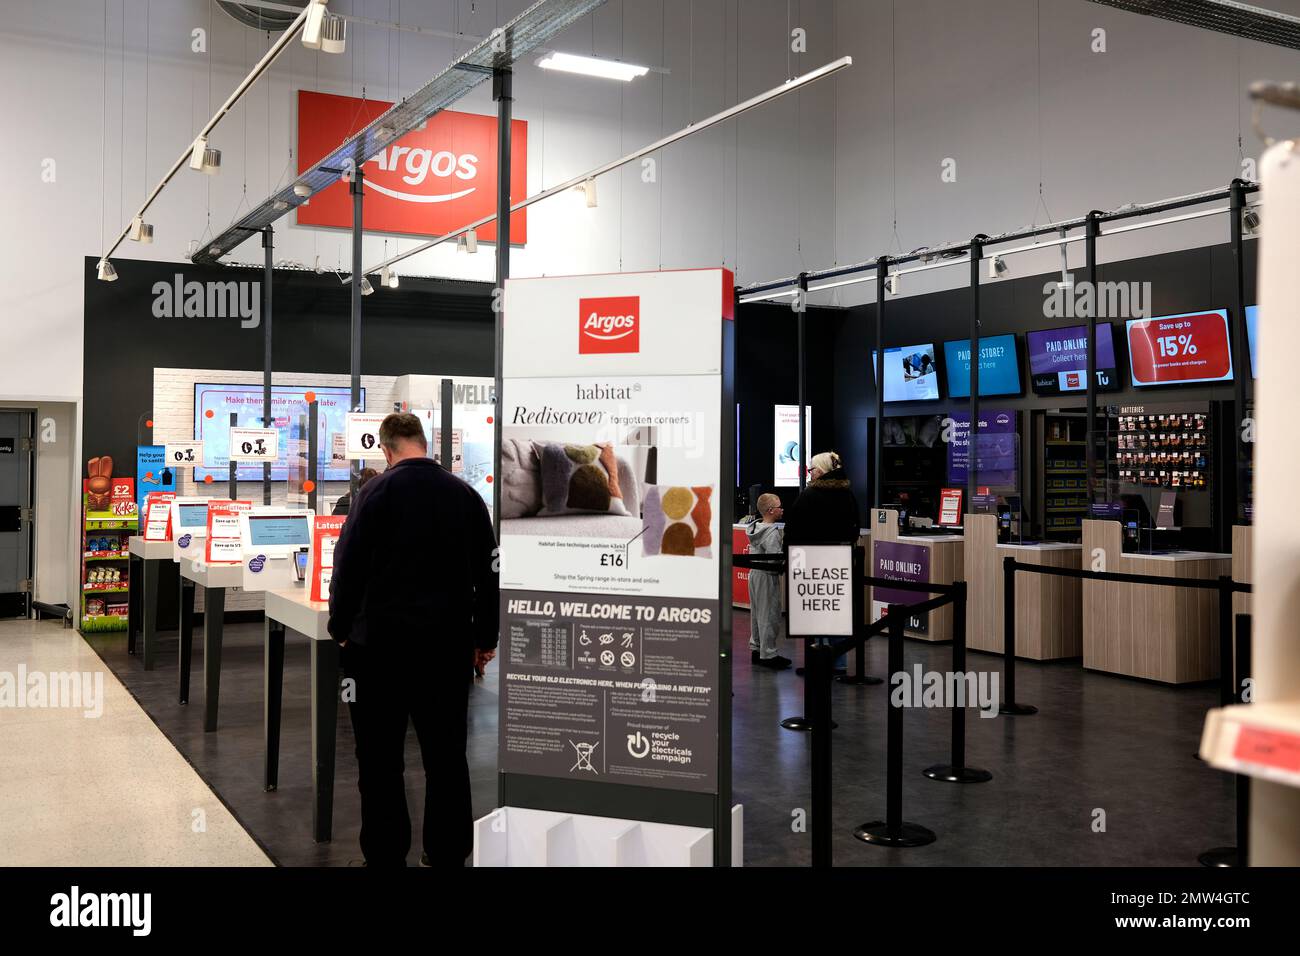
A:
894	830
1236	856
859	676
820	666
1009	705
956	771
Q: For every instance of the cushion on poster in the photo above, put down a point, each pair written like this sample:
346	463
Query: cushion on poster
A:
521	479
578	479
676	520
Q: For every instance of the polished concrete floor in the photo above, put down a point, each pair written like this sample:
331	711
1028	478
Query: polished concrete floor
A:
1103	775
96	784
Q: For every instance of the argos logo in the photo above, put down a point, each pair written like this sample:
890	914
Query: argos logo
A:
609	324
426	183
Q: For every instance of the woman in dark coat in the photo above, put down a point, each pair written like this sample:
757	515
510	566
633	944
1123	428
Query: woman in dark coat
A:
826	512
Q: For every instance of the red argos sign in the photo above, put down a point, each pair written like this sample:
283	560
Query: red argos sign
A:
609	324
427	183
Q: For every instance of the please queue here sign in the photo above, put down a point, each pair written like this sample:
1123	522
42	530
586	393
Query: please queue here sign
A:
820	596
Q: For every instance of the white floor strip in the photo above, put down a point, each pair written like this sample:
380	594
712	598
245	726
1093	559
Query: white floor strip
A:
96	784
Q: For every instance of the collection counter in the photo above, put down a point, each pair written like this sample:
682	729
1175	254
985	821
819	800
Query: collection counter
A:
920	558
1167	634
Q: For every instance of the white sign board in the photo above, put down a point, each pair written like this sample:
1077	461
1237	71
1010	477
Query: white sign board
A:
254	444
362	435
821	590
183	454
787	453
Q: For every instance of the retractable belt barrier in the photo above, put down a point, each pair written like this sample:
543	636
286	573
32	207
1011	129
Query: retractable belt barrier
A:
1234	669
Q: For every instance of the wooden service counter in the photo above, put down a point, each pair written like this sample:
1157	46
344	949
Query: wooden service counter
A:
1167	634
945	562
1048	607
1243	538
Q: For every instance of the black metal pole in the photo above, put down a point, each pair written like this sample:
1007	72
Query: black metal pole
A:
894	830
1227	685
1092	228
1223	857
313	456
860	675
354	349
801	365
1009	706
820	664
976	251
234	467
882	270
957	771
268	245
1241	382
503	96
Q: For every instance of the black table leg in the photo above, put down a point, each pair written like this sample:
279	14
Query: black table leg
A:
186	615
324	724
148	601
273	669
132	601
214	614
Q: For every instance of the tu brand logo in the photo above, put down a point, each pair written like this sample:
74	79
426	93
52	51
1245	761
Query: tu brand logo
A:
609	324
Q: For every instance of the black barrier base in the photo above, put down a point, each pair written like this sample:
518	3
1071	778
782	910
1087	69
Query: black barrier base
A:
801	724
865	681
949	774
878	833
1017	710
1220	857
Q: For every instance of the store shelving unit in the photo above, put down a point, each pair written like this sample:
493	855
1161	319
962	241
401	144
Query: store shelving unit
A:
105	566
1065	485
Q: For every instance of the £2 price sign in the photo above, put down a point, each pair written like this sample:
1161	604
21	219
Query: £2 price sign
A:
254	444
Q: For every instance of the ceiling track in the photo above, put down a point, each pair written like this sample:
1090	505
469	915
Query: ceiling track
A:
1221	16
516	39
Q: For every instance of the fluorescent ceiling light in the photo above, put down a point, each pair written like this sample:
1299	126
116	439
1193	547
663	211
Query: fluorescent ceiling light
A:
592	66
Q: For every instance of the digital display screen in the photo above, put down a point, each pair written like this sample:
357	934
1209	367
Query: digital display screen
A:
1180	349
787	459
1252	336
999	366
213	405
269	530
911	374
1058	359
193	516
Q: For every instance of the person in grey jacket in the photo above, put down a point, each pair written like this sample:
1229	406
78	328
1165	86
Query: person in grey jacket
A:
766	625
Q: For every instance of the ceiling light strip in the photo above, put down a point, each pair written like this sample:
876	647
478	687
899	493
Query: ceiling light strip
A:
789	86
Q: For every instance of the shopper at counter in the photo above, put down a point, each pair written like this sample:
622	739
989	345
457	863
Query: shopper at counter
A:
412	601
766	625
345	500
826	511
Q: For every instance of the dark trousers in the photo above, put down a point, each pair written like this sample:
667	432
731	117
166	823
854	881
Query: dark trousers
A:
389	694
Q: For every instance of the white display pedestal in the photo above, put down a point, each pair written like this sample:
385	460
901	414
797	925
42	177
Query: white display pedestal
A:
512	836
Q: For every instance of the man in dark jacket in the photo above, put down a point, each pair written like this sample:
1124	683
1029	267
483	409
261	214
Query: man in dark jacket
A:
413	602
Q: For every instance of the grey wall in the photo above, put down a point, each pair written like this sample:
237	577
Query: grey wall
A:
1012	91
